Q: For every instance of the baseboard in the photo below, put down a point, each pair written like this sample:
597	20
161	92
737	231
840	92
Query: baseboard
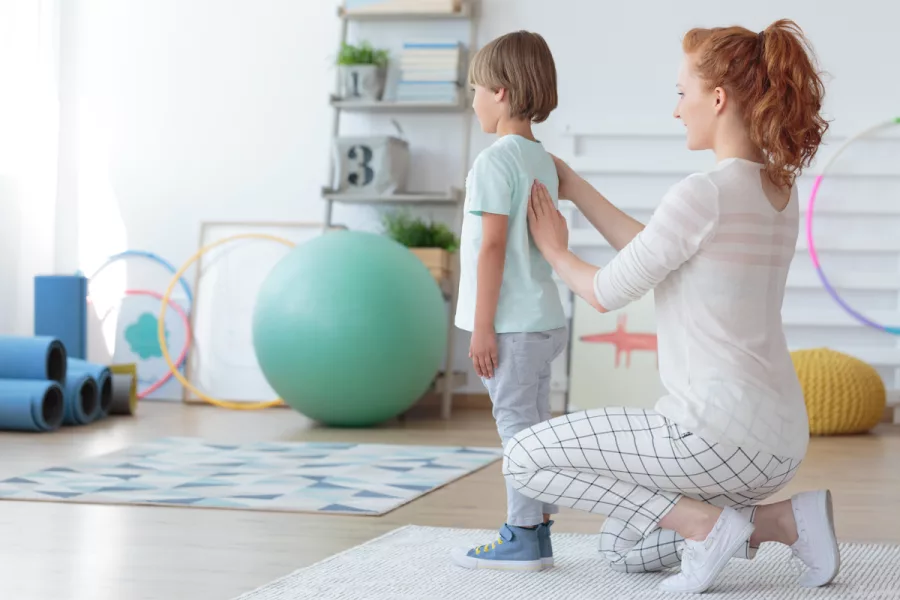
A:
460	401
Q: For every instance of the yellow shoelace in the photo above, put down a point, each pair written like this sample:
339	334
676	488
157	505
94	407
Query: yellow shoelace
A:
488	547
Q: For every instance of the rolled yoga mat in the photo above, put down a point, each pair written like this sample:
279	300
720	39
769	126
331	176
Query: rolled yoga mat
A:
30	405
35	358
124	394
101	375
80	400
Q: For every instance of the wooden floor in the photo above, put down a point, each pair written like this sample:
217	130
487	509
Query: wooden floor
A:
84	552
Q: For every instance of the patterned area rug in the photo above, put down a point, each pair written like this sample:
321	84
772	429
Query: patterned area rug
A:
391	568
364	479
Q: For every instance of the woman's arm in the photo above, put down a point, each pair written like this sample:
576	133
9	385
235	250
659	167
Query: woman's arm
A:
686	219
613	224
551	236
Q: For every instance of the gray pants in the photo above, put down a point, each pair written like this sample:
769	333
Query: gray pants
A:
520	393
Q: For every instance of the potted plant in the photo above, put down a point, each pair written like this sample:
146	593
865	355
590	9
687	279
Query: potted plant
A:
363	71
433	243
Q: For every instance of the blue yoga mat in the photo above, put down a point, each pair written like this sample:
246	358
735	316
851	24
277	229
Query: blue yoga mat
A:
80	399
60	311
101	375
41	357
29	405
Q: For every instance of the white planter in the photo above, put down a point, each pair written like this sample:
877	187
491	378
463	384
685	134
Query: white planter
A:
362	82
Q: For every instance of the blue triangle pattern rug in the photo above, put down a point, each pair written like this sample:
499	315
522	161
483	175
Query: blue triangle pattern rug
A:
357	479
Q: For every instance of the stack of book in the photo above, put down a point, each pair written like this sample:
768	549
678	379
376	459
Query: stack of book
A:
364	7
430	71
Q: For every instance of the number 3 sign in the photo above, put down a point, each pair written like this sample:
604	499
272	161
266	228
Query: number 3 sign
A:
371	164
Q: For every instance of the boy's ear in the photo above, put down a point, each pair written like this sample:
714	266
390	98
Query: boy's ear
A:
500	95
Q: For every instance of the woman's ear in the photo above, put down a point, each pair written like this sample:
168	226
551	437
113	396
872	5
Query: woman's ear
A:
721	98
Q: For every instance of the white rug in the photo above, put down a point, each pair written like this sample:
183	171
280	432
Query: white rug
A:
412	563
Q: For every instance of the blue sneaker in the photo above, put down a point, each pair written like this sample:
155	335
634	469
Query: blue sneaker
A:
545	545
517	549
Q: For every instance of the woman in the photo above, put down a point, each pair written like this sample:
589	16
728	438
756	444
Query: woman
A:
732	429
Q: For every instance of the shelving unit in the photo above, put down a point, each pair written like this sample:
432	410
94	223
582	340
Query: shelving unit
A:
454	197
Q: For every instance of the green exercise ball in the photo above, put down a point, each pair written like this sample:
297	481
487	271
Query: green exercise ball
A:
350	328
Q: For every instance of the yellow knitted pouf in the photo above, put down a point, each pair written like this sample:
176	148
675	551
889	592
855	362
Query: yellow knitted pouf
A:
843	394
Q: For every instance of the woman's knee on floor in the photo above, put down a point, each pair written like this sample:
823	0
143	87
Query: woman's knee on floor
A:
625	551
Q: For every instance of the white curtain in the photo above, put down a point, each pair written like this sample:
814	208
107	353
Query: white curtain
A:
29	139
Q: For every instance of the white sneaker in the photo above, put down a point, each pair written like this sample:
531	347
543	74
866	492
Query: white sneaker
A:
701	562
817	544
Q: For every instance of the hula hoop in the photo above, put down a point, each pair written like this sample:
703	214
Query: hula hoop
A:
151	256
184	350
160	332
811	242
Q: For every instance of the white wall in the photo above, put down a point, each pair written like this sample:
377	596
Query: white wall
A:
180	111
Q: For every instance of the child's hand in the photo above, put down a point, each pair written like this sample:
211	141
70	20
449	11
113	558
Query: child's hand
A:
483	352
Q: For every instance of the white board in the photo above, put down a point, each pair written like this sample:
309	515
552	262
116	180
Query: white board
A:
222	362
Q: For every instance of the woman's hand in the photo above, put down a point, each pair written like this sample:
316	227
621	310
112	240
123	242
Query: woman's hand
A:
568	179
548	226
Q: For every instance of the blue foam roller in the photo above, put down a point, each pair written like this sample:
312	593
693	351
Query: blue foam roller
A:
81	402
60	311
30	405
102	376
39	358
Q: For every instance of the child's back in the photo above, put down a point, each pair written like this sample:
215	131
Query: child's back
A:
500	183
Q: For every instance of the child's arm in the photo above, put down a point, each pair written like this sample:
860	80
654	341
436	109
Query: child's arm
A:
491	259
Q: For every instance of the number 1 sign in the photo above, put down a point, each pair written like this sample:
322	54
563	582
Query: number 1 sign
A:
377	165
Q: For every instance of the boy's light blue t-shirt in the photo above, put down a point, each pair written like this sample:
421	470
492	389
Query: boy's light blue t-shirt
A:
500	182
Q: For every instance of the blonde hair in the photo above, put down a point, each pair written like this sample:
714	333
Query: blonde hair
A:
520	63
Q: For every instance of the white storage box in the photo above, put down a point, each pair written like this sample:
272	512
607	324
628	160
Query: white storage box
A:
372	165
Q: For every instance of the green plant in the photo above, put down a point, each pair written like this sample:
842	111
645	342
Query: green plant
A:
416	233
364	54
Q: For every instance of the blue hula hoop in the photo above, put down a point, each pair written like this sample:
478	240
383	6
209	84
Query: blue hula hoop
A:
150	256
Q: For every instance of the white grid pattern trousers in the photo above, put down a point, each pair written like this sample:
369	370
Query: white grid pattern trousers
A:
633	465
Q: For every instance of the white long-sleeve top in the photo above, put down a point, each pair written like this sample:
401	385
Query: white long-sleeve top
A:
716	253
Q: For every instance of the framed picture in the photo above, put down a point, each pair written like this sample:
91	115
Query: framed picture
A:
222	362
613	357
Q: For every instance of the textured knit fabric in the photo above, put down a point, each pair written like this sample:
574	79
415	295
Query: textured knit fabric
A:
633	465
716	253
500	183
520	394
843	394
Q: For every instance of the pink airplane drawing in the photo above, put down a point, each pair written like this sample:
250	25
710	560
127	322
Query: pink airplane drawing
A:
623	341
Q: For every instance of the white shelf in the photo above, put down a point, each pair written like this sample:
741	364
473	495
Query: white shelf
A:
851	281
457	381
855	209
855	242
464	13
836	317
877	357
393	106
450	197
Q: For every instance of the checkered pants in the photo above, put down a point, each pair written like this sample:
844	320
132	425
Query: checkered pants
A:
633	465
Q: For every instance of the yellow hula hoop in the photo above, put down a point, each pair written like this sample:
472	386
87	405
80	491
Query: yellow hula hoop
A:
161	329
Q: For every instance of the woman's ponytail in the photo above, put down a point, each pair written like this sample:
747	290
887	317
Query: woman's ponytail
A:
773	77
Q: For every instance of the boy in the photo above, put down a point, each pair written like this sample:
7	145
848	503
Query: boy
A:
507	297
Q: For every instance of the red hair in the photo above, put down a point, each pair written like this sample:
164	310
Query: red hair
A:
772	77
